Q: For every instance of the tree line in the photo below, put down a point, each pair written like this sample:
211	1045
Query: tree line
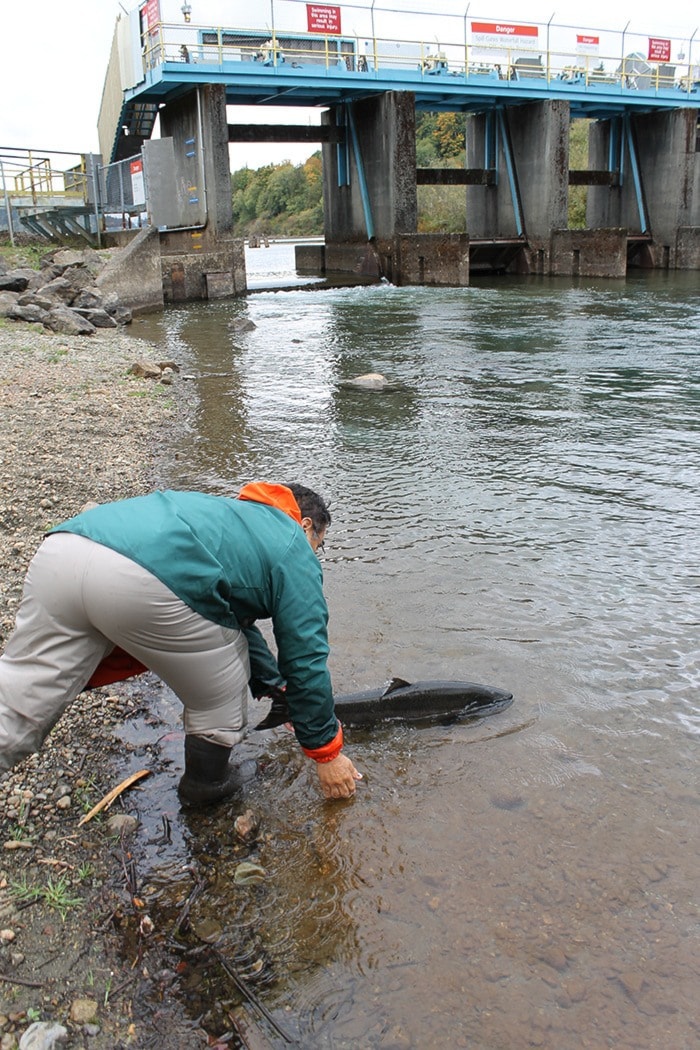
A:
286	200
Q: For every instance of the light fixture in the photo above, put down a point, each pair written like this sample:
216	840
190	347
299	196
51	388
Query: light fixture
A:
186	11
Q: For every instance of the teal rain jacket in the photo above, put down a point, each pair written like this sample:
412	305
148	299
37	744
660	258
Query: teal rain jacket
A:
235	561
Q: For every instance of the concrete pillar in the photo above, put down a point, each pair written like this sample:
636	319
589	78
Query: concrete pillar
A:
669	170
202	259
386	136
372	231
538	134
386	133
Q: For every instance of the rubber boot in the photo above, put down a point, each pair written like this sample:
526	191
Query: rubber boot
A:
208	778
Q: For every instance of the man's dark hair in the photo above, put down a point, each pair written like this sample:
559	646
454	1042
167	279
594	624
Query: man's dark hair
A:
311	506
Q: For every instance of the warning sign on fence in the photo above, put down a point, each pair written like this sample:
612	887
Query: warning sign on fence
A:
320	18
138	188
659	49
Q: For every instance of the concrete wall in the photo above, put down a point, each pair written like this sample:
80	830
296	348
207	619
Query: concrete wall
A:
203	274
207	246
688	248
670	177
589	253
135	273
433	258
310	258
539	138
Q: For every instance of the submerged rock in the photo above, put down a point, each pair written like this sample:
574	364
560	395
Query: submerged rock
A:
247	873
246	825
368	381
242	324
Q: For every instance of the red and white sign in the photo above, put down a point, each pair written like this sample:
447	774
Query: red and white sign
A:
503	35
320	18
138	187
659	49
502	30
587	44
150	14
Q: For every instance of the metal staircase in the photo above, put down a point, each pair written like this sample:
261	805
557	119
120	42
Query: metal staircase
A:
49	194
60	222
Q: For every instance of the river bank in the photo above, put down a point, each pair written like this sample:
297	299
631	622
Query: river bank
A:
76	427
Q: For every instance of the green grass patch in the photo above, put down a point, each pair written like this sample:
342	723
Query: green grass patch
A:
56	894
23	256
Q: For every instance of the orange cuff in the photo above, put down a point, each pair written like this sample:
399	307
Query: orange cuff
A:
327	752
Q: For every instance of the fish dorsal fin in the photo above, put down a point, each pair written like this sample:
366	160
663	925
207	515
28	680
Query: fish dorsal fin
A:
394	683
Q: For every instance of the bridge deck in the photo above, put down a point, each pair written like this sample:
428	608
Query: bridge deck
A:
470	74
252	83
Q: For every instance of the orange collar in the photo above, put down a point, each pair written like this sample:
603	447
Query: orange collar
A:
274	496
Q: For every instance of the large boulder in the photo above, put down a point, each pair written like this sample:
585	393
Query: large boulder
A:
90	299
99	318
13	281
7	300
44	302
32	314
87	258
67	322
79	277
121	314
60	289
62	294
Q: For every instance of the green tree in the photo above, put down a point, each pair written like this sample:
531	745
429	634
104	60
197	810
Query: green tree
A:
440	143
440	137
282	199
450	132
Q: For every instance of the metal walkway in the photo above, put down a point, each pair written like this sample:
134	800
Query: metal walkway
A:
471	73
251	83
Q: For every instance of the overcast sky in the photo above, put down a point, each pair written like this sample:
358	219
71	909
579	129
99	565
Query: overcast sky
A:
55	55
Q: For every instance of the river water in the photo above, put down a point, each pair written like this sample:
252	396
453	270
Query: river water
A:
520	509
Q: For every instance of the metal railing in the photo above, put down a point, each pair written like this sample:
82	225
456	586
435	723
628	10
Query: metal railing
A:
33	184
113	195
36	176
436	44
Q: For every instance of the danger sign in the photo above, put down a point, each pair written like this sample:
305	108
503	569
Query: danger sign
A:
486	32
322	19
587	44
138	187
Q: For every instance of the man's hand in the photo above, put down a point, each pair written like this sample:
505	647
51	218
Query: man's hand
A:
338	777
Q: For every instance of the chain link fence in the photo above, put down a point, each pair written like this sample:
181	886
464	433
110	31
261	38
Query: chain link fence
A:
122	193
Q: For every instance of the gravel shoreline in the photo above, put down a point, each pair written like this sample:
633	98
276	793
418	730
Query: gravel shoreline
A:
76	426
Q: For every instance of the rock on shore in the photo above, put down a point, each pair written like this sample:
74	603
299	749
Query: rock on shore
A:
63	294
